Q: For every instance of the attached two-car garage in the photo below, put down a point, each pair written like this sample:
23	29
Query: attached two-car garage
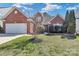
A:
16	28
17	22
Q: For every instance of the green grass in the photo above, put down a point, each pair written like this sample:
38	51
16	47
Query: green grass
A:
77	37
50	45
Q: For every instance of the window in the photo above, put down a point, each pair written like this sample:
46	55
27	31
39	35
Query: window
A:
15	11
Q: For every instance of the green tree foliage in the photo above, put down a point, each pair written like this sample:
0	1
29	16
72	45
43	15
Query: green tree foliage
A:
65	24
1	30
71	22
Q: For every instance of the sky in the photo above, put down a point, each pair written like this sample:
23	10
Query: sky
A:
51	8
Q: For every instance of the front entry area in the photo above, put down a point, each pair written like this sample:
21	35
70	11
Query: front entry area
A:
16	28
54	29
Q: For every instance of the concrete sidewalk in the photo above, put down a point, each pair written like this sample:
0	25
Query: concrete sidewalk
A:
8	37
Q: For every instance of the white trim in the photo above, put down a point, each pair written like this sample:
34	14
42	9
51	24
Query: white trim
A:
51	19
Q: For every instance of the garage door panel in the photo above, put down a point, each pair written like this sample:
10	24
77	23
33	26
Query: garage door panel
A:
16	28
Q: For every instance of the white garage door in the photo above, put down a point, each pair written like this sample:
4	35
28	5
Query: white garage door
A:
16	28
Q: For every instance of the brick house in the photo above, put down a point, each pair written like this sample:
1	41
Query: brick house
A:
77	20
55	24
15	21
51	23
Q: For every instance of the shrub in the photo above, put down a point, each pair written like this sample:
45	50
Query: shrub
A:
1	30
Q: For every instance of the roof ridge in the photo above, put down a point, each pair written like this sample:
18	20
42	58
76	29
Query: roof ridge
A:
12	8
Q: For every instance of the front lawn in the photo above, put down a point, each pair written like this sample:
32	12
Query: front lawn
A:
77	37
50	45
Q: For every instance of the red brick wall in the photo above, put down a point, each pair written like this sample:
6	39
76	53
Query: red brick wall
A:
31	27
18	18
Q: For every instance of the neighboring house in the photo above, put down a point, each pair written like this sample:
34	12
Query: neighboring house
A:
15	21
77	25
77	20
55	24
46	18
52	23
38	19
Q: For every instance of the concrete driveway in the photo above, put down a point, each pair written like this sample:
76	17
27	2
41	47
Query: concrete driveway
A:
8	37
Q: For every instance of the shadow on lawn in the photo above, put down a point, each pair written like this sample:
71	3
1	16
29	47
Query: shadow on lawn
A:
25	43
35	40
63	35
69	36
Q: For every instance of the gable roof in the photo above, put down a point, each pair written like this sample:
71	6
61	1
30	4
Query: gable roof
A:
38	14
11	9
57	19
4	12
46	18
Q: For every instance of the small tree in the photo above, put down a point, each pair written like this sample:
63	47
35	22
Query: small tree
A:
71	22
40	28
38	24
65	24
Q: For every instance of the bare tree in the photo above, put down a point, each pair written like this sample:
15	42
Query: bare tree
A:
38	19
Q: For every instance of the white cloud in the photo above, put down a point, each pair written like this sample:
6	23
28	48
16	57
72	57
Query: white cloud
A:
25	8
27	3
76	8
50	7
71	8
17	5
21	4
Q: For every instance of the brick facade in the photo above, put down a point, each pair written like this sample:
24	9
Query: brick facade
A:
17	17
